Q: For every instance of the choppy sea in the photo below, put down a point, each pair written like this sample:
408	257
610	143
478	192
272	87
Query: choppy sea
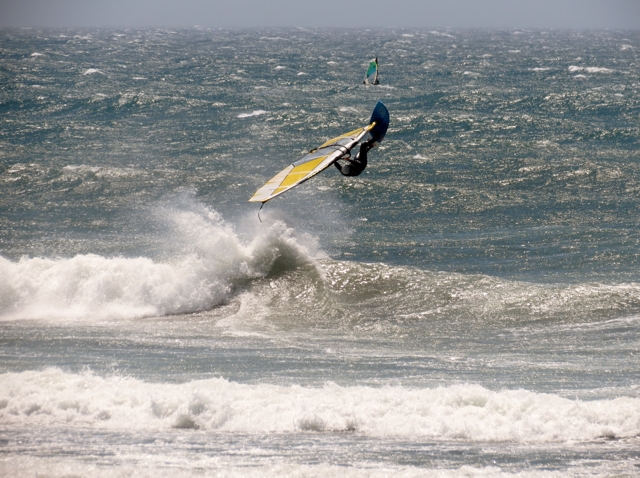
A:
468	306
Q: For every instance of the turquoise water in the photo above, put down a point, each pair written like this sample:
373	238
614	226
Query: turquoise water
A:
468	305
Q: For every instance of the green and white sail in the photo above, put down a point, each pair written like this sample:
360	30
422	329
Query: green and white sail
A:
371	77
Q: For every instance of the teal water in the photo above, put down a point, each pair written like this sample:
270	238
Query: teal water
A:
468	305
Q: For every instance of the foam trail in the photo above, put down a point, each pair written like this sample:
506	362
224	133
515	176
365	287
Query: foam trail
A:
91	71
253	113
203	273
589	69
459	412
163	465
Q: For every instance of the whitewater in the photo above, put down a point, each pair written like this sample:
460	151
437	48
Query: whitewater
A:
468	306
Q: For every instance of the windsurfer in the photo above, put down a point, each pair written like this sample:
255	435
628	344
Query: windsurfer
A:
355	166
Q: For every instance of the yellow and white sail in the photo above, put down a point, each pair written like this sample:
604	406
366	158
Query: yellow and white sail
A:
310	165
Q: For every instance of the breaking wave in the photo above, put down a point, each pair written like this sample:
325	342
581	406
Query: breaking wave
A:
459	412
213	259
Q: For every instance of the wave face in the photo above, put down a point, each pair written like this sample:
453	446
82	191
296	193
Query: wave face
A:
200	261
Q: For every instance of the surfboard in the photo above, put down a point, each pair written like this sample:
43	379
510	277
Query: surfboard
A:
324	156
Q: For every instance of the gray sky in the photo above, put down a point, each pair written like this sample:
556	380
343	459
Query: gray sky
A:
615	14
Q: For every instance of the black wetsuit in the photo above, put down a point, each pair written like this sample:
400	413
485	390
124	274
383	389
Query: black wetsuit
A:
355	166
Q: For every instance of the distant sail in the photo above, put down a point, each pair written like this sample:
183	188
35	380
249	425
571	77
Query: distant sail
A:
371	77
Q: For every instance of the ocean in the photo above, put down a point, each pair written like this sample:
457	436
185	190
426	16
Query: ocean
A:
468	306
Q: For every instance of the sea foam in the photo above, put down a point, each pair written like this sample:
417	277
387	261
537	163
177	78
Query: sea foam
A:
253	113
459	412
208	262
589	69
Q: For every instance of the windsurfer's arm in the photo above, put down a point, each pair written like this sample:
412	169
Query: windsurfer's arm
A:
345	157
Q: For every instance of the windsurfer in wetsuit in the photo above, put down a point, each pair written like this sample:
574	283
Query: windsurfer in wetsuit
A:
355	166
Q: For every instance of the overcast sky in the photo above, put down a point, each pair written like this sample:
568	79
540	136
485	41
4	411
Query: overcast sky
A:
615	14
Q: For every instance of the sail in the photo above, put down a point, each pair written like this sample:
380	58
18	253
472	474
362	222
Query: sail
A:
371	77
313	163
321	158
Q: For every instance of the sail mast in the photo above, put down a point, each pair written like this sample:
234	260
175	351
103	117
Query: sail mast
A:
375	81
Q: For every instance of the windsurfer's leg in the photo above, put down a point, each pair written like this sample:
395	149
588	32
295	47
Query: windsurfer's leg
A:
346	169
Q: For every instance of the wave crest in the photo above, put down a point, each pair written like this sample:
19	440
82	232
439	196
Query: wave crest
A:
208	260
